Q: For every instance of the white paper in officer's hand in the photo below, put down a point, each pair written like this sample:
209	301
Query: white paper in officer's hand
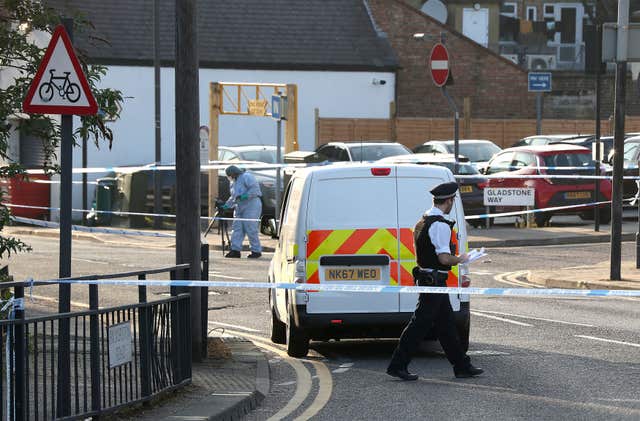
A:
475	254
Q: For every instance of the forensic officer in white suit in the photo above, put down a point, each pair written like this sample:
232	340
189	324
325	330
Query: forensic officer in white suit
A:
246	199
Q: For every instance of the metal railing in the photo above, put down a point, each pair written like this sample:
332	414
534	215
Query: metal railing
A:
117	356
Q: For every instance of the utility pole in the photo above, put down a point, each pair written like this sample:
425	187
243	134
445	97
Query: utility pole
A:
157	175
188	160
596	212
619	116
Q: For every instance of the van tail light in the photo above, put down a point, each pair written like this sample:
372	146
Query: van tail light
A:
465	281
482	185
300	275
380	171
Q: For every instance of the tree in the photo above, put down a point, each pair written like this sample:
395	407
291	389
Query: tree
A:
22	22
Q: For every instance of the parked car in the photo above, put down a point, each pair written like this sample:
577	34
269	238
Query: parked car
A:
254	154
550	191
546	139
471	189
257	153
365	151
479	152
612	151
589	141
630	168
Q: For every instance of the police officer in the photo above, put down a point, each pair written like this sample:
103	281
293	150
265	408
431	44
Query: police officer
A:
245	197
435	255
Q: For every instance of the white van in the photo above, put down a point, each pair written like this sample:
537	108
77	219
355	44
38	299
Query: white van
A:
353	223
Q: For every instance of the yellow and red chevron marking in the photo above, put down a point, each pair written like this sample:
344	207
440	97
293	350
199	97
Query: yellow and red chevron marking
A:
395	243
354	241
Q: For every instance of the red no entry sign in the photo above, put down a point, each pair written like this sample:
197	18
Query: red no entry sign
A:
439	62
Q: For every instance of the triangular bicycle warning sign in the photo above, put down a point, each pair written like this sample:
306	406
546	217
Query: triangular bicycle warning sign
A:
59	86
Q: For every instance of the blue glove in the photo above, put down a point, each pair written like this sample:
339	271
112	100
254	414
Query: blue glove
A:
243	197
226	206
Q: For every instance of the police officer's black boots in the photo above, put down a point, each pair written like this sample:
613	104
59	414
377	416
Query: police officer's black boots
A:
401	373
468	371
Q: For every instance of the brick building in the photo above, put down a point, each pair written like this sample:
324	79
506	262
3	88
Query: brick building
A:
496	87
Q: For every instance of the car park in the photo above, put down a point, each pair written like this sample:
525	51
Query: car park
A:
357	151
551	160
477	151
471	186
342	223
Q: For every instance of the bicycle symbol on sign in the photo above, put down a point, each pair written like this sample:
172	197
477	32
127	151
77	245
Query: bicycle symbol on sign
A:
66	88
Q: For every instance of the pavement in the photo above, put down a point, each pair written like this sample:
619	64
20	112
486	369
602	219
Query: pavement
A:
235	378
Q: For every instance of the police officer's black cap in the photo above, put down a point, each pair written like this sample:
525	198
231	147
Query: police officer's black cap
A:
445	190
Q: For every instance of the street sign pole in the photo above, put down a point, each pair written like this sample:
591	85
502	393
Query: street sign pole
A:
538	113
46	97
439	63
539	82
64	269
456	127
619	113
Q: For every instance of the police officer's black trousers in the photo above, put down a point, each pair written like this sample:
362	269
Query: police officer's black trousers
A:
431	310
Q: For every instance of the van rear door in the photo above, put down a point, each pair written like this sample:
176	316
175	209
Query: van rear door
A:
352	238
414	184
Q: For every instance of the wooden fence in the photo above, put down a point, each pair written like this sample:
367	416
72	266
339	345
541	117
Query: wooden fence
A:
413	131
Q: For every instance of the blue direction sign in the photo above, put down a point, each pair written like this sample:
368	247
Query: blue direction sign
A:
539	82
276	102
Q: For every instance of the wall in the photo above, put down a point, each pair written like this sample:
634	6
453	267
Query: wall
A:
414	131
338	94
497	88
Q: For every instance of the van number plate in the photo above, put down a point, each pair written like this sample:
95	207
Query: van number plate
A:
466	189
352	274
577	195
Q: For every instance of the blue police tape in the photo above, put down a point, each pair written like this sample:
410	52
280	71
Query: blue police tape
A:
122	213
81	228
213	165
524	212
360	288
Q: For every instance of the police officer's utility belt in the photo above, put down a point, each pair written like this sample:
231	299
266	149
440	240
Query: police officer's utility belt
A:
429	277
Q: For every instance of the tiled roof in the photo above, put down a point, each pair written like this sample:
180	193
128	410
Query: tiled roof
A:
257	34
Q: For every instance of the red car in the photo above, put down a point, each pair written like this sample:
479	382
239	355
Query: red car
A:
550	191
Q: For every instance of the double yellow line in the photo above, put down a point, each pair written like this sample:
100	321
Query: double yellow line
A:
303	380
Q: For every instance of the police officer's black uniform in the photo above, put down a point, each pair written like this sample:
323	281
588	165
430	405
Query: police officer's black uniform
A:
432	309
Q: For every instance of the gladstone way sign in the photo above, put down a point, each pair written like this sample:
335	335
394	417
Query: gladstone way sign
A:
495	196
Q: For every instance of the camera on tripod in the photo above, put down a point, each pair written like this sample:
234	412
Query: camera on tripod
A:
223	224
222	212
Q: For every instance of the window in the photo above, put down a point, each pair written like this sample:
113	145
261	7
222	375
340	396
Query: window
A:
509	9
549	10
630	151
327	153
500	163
523	159
531	13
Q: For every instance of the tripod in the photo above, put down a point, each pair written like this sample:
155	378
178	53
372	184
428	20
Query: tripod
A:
223	229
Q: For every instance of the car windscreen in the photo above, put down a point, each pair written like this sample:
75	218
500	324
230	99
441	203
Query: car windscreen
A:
366	152
261	155
478	152
463	169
